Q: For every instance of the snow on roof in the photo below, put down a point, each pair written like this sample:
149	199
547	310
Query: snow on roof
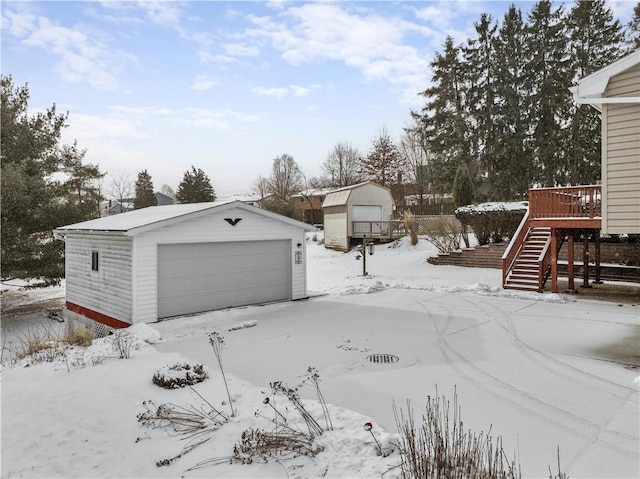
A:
495	206
138	218
341	195
314	192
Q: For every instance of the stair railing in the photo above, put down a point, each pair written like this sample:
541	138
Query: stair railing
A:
515	245
543	264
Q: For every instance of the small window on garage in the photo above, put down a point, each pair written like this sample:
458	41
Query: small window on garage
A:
95	260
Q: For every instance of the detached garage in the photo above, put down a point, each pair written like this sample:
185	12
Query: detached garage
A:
355	210
165	261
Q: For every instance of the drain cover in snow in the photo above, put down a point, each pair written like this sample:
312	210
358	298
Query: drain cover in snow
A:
383	358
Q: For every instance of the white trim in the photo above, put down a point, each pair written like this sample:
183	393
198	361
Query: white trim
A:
594	85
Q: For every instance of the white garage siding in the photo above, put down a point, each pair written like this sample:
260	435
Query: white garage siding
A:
199	277
108	290
335	228
206	229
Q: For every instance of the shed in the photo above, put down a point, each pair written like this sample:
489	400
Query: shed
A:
165	261
615	91
368	204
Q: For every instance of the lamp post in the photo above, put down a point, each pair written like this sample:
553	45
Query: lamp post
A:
366	247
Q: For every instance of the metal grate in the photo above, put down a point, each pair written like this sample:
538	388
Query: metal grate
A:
383	358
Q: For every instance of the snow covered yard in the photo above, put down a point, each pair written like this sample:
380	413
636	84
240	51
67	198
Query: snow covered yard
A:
541	370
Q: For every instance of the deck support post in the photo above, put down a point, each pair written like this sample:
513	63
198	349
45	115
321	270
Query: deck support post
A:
570	270
585	260
596	236
554	260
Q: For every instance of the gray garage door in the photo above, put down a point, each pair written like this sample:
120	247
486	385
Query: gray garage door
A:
205	276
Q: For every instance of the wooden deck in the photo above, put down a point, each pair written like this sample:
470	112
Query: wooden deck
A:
555	215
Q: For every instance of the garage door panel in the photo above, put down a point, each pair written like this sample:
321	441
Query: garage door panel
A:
206	276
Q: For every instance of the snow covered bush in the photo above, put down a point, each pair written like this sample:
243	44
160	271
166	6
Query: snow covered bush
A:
179	375
493	222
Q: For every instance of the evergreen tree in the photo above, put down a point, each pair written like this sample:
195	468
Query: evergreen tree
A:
383	163
33	202
510	169
632	36
480	72
462	188
444	120
548	82
195	187
144	191
595	40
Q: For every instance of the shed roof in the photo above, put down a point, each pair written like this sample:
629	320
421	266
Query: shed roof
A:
135	222
340	196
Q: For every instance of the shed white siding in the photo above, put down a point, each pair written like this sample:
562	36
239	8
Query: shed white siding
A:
108	290
335	228
621	156
338	211
210	228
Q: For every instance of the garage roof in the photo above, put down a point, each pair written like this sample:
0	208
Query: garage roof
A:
146	219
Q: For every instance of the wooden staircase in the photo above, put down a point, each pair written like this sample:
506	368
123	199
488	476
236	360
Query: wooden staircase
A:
529	269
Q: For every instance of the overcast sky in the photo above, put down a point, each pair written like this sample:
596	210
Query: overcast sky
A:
228	86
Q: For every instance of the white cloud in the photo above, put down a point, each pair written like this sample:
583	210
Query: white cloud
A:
80	57
280	92
241	50
266	91
202	82
373	43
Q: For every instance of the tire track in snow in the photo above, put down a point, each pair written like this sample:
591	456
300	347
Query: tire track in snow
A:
552	364
546	412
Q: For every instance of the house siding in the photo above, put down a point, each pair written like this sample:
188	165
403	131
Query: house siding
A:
621	156
210	228
108	290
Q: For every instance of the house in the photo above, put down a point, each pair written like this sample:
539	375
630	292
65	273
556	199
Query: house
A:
164	261
615	91
163	200
357	211
248	199
557	215
308	204
113	207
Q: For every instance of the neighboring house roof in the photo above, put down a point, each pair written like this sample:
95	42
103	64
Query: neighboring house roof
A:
313	192
139	221
590	89
341	195
163	199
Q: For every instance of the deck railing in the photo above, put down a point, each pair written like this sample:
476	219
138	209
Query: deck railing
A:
567	202
384	229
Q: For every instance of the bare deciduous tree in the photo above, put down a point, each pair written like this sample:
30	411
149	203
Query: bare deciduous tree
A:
121	189
342	165
414	151
383	163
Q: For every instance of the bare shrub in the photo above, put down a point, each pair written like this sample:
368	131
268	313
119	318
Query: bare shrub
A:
40	344
217	343
121	342
444	233
194	424
441	447
179	375
79	336
409	221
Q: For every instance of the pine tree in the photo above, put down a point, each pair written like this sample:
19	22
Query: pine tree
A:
463	195
480	72
195	187
632	35
383	163
144	191
548	82
44	186
511	168
444	120
595	41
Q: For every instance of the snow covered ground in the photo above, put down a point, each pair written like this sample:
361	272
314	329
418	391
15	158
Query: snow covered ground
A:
543	371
